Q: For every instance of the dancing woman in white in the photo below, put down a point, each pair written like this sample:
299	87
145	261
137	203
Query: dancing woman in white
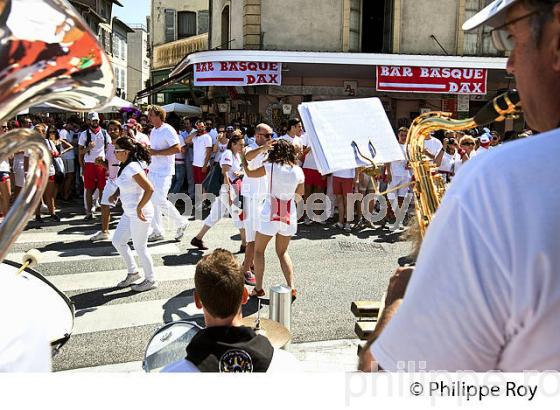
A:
135	191
279	214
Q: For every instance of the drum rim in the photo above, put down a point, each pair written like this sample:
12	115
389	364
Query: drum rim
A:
58	343
163	327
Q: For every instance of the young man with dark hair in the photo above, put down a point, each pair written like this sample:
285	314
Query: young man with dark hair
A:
225	345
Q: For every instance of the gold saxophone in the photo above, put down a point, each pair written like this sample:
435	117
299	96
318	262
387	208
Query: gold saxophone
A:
428	185
47	53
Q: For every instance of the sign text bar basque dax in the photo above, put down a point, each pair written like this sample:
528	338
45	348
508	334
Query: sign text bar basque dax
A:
237	73
431	80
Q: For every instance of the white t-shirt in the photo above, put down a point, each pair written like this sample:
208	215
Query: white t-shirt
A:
398	168
448	162
52	148
282	362
433	146
234	161
309	162
142	138
297	141
183	136
480	151
130	192
100	140
485	293
4	166
163	138
200	144
221	149
67	135
180	156
345	173
255	186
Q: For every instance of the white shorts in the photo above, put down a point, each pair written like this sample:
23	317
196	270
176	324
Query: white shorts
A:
69	166
252	207
401	192
110	189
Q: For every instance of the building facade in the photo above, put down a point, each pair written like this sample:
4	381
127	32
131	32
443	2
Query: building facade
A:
177	28
98	15
370	33
119	56
138	61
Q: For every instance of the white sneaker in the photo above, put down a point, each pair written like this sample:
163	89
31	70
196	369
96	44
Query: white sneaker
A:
307	221
144	286
181	231
155	237
100	236
347	227
130	279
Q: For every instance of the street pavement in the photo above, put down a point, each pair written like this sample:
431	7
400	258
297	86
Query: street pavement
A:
112	326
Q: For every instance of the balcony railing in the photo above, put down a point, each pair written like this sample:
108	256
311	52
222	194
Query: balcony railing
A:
169	54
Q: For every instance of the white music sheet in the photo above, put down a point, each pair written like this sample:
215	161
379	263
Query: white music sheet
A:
333	125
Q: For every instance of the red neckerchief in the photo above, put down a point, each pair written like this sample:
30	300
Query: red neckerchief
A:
95	131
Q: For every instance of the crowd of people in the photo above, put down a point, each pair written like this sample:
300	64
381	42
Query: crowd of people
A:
258	177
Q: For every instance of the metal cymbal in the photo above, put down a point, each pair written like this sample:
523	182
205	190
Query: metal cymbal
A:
277	334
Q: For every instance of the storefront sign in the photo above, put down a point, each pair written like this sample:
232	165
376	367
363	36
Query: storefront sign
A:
237	73
432	80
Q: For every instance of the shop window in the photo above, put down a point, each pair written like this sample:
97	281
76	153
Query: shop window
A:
202	22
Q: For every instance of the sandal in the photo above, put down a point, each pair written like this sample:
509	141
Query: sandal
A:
259	293
294	295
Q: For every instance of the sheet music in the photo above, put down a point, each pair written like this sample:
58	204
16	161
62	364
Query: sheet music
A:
333	125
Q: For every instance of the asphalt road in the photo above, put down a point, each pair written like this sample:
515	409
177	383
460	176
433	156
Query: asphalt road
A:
332	269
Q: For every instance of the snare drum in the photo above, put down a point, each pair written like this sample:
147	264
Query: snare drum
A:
53	305
168	345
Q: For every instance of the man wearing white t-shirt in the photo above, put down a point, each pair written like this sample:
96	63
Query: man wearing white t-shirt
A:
315	183
254	190
164	145
398	174
485	293
293	135
202	151
93	144
432	146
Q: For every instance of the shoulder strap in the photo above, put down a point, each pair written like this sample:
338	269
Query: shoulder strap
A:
105	139
88	137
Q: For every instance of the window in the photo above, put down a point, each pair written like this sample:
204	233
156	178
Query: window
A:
186	24
202	22
225	28
116	50
169	25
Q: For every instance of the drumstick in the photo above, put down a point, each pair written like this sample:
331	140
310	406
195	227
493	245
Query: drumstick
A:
30	258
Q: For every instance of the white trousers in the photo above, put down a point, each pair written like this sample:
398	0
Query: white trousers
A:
132	227
162	206
221	207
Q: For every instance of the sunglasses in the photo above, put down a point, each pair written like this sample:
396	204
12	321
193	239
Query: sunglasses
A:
117	150
4	127
502	39
467	143
267	135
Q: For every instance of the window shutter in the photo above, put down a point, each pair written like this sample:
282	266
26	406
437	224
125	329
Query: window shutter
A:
202	22
170	18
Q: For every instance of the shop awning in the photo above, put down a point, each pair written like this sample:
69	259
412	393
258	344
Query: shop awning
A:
306	60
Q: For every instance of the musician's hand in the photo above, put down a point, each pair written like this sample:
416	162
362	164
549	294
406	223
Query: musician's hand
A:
397	284
269	145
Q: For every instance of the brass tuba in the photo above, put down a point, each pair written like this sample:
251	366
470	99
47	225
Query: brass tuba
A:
428	185
47	53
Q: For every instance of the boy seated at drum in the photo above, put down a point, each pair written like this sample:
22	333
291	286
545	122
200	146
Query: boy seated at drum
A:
225	345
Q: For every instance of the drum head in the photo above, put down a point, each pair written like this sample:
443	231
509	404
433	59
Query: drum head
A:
168	345
48	300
